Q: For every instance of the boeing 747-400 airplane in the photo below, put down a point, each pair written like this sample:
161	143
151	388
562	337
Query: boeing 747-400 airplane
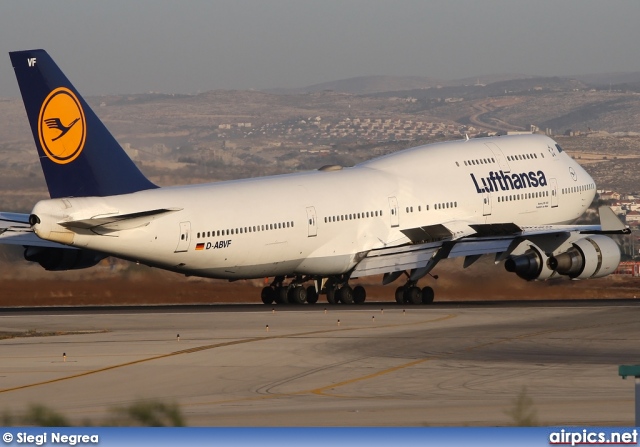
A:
511	196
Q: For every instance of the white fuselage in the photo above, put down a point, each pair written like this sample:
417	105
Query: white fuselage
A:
322	222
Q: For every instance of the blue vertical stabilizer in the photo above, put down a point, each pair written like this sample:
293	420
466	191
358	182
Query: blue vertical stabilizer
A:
79	156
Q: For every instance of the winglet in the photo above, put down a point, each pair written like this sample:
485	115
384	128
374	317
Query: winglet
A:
610	223
79	156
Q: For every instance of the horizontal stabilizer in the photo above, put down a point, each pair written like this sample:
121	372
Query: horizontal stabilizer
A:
16	230
13	218
11	236
119	221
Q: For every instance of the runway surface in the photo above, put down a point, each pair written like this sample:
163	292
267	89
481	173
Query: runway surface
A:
381	365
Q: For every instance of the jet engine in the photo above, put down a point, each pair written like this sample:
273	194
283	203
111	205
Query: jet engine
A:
590	257
58	259
530	265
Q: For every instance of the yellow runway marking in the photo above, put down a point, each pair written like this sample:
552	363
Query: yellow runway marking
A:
213	346
321	391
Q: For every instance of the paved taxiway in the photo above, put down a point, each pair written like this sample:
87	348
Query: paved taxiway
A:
440	365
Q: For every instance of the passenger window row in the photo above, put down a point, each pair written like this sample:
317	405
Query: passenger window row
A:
409	209
353	216
445	205
481	161
485	161
525	196
436	206
581	188
244	230
523	157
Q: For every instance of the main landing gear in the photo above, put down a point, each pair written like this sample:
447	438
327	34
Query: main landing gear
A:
412	294
293	293
346	294
336	289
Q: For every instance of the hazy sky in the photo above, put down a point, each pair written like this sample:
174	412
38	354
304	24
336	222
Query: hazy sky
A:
133	46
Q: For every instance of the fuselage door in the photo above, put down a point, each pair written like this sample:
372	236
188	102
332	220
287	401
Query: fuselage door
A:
312	221
499	157
393	211
486	203
185	237
553	186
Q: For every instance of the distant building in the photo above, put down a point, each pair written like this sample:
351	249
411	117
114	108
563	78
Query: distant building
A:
609	195
633	218
631	268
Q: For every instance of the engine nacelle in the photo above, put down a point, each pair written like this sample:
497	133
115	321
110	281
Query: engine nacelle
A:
590	257
58	259
530	265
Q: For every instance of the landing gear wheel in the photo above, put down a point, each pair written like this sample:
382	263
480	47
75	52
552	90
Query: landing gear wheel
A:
312	295
297	295
281	295
413	295
346	295
400	295
331	296
268	295
359	294
427	295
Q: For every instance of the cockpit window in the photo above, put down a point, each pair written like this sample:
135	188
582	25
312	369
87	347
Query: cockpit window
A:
559	148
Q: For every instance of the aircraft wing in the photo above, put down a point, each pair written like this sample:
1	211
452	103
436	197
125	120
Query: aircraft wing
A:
430	244
16	230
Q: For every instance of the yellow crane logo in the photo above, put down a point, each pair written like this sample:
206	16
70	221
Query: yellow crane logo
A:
62	127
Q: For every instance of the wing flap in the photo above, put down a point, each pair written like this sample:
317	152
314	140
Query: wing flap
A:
497	229
446	231
429	233
478	247
395	259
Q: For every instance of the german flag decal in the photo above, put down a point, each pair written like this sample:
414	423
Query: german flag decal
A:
200	246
